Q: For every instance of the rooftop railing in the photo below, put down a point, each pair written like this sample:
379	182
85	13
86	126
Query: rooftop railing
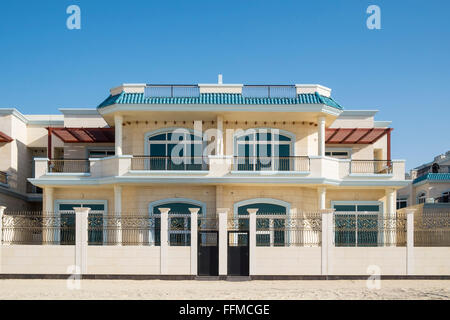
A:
269	91
371	166
171	91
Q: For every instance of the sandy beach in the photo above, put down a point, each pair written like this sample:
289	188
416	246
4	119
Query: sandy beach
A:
211	290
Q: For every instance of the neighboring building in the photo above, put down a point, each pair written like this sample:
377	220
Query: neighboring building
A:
22	138
430	183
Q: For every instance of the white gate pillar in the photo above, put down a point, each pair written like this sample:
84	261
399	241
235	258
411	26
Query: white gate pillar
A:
194	239
327	240
2	211
164	246
252	240
410	241
223	241
81	238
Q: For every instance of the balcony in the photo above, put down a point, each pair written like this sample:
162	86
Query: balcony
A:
293	163
224	168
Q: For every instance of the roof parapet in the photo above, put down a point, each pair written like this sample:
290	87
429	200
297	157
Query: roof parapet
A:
312	88
128	88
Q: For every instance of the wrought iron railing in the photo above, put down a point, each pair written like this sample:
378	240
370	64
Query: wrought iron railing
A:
367	229
37	228
432	229
179	229
169	163
3	177
371	166
275	230
69	166
128	229
171	91
294	163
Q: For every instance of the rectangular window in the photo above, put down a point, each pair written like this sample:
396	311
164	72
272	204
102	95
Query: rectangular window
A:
100	153
338	153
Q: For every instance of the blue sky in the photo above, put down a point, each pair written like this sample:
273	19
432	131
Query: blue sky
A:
403	70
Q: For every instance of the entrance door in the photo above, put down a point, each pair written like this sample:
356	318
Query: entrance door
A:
208	253
238	253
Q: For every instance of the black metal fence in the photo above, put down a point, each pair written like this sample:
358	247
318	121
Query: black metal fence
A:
369	230
432	229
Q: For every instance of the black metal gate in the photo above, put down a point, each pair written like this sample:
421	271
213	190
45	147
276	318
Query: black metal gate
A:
208	253
238	253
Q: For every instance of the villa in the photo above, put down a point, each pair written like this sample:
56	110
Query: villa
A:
206	180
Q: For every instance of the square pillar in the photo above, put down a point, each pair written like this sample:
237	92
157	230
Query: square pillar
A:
322	197
118	123
194	239
252	240
410	241
81	238
2	211
321	140
164	246
327	240
390	235
117	234
219	136
223	241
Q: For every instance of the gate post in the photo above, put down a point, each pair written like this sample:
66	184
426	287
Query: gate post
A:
327	240
81	238
223	241
194	239
2	210
164	245
410	241
252	240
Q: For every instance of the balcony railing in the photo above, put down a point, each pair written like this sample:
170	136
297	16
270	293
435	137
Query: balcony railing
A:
295	163
3	177
371	166
69	166
169	163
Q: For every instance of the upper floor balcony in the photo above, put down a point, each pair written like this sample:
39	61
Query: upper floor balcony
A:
313	169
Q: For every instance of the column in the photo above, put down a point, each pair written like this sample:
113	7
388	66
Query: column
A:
223	241
410	241
47	235
327	240
321	126
194	239
322	194
118	120
252	240
390	234
219	136
81	238
2	211
164	246
117	234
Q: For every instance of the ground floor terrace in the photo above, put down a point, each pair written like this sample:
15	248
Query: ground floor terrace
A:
188	231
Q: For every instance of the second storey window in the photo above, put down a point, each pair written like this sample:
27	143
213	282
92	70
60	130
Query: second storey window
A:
100	153
263	149
175	150
338	153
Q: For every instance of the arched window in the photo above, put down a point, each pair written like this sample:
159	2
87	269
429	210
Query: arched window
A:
179	223
264	149
421	197
271	219
174	149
